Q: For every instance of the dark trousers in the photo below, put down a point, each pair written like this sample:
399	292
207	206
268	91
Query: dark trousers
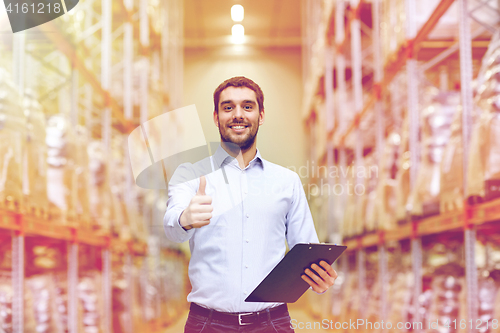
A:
197	323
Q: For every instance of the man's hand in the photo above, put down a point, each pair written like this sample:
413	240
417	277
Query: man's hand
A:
199	211
325	280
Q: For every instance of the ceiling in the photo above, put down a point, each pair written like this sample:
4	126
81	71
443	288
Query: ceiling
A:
268	23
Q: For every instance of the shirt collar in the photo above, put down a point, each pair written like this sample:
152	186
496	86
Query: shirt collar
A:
221	156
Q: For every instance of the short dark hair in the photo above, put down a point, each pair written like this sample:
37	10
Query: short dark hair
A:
239	81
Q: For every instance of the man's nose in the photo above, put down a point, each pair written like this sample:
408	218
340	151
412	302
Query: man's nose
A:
238	112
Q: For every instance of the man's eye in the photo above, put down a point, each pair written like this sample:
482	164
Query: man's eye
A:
228	108
248	107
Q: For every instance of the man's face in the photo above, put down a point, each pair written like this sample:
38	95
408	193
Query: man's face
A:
239	116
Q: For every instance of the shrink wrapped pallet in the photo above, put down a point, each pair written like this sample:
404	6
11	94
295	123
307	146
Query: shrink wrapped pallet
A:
399	285
349	229
403	174
424	199
451	198
89	294
350	310
447	290
366	210
496	313
61	176
6	294
60	299
12	144
119	219
44	310
121	321
35	158
137	223
385	203
100	192
373	291
82	208
483	178
487	293
120	188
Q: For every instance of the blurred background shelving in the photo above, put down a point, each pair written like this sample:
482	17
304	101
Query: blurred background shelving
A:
79	249
390	85
390	107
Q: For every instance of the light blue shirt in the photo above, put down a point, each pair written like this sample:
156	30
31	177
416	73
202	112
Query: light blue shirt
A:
256	209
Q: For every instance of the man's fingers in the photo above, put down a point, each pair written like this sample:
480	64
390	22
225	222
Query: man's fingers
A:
324	275
329	269
204	223
313	276
310	282
203	216
202	199
203	185
203	209
201	223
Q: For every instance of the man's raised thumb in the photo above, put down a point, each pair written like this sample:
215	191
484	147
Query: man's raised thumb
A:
203	185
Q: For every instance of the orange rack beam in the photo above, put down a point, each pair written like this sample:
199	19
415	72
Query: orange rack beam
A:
483	213
33	226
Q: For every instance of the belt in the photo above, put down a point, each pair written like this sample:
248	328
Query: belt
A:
240	318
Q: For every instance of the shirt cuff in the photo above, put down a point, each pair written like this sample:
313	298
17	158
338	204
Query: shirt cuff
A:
179	223
317	292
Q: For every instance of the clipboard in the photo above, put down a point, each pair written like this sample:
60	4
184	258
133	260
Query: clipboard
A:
283	283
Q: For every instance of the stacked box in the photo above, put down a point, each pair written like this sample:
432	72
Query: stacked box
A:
100	192
437	118
12	144
385	204
483	178
35	158
61	176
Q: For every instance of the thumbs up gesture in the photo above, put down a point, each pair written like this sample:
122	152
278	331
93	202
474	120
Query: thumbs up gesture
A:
199	211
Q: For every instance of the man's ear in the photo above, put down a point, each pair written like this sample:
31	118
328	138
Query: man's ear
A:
261	117
216	118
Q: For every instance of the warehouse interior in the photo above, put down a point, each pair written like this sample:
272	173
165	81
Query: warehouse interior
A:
388	110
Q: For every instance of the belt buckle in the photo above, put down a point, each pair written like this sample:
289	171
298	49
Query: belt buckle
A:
244	314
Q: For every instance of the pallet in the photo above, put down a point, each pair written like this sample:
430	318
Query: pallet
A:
62	217
10	204
36	211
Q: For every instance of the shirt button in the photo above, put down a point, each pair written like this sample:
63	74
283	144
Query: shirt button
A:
248	216
246	266
247	240
244	292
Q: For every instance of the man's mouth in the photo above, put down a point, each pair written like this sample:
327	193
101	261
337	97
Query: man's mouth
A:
238	127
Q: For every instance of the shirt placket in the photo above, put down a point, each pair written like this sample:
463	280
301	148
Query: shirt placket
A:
245	234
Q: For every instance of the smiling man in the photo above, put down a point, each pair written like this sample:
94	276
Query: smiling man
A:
237	219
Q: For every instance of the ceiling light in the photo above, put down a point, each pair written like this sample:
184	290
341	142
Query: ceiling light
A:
238	33
237	13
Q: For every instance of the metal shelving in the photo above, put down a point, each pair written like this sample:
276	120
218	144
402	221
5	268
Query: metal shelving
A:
472	218
98	63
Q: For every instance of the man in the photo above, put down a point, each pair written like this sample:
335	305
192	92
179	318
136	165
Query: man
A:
237	219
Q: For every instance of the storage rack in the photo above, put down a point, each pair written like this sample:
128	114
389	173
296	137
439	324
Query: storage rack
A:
95	66
333	36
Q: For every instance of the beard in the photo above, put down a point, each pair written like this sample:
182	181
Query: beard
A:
244	141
